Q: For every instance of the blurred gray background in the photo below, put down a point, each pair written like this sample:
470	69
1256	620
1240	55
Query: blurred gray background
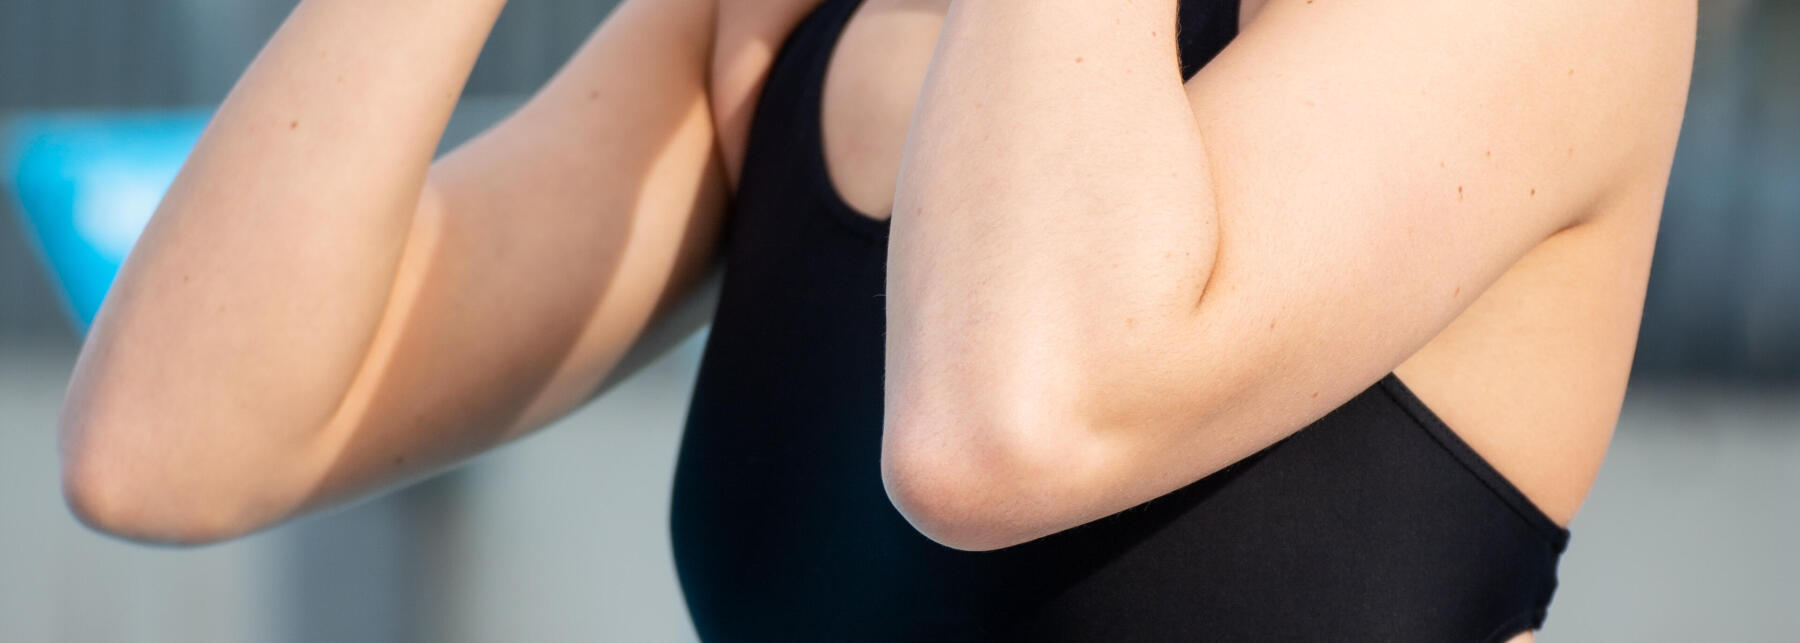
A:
1689	533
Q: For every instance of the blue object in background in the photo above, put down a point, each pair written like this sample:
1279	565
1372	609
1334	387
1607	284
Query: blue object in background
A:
87	183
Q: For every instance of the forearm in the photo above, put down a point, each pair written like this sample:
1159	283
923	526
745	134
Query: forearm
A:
247	306
1054	225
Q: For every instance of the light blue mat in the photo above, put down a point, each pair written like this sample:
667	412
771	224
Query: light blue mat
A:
86	184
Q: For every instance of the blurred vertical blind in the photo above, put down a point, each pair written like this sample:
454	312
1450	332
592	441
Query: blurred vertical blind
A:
1725	294
113	53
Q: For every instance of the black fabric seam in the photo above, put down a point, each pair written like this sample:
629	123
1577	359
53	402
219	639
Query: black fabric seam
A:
1556	535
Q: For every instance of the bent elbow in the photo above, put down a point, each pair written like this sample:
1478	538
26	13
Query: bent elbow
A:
110	498
952	514
982	495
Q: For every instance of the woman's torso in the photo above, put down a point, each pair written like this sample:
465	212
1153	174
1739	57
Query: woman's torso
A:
1530	377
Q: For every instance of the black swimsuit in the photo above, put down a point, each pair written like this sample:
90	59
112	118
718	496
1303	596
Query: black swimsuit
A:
1374	523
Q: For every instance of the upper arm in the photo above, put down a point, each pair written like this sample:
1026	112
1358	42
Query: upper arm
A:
540	252
1377	165
1374	167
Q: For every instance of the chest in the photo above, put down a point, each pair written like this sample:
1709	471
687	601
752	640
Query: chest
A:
876	67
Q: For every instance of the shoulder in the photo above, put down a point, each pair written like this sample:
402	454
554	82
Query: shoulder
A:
747	36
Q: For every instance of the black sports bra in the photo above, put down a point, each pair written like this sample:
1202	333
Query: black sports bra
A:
1375	523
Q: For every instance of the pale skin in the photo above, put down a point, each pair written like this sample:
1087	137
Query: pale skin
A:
1104	283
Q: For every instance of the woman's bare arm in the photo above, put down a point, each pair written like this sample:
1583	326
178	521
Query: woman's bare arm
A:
1105	285
318	311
